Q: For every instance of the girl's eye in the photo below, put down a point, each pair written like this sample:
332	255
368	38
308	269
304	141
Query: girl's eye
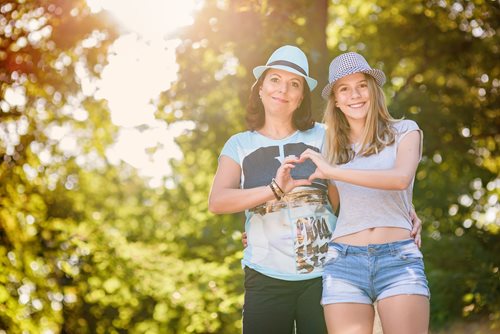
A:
274	79
363	85
295	84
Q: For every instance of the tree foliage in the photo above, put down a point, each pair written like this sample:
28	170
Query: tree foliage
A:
88	247
441	58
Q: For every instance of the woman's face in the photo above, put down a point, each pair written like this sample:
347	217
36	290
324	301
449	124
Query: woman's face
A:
281	92
352	96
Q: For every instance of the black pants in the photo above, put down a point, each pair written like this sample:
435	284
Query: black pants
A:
274	306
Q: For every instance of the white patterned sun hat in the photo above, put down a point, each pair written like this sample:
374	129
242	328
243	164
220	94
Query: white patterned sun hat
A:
291	59
350	63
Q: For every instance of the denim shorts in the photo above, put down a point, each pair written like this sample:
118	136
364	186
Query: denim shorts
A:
365	274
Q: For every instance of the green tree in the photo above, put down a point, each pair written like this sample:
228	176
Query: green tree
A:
43	45
441	61
87	247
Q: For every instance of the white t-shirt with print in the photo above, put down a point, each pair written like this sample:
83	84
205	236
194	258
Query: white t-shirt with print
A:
287	239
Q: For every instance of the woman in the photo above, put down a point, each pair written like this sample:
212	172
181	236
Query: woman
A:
371	158
289	220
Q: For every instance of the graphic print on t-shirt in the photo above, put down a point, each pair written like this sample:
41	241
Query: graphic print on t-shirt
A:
299	224
311	243
260	166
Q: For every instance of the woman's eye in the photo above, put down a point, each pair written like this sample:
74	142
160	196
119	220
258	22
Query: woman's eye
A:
295	84
274	79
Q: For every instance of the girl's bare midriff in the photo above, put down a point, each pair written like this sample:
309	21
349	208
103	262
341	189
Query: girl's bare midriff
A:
376	235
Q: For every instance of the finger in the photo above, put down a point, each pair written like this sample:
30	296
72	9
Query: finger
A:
286	167
290	158
414	230
314	176
303	157
306	154
244	239
417	224
418	241
313	156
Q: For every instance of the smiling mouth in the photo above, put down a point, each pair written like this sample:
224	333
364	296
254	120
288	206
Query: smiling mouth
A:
279	100
357	105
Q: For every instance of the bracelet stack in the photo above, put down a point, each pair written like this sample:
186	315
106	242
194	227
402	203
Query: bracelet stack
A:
277	191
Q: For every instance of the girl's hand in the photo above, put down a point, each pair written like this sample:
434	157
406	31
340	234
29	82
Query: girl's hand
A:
284	176
244	239
323	168
417	228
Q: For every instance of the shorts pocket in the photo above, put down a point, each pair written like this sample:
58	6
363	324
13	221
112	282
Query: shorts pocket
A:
334	253
410	253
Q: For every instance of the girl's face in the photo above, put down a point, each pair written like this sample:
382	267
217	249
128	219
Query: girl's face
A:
281	92
352	96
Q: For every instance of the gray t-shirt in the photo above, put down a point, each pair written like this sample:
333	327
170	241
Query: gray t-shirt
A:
361	207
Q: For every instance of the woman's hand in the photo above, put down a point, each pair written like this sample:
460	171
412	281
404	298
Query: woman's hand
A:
323	168
417	228
284	177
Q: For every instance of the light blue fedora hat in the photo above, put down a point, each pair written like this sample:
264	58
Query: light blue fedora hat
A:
291	59
346	64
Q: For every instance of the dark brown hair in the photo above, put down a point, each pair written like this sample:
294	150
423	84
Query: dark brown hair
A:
255	116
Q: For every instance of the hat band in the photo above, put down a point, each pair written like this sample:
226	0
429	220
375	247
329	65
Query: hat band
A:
289	64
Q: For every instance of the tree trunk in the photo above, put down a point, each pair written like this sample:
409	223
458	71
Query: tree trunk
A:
317	21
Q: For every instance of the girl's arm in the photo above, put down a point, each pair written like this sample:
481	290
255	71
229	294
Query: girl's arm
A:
397	178
226	196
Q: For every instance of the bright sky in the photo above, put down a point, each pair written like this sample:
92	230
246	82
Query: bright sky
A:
141	65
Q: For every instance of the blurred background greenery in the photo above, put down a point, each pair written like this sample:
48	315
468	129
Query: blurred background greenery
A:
89	245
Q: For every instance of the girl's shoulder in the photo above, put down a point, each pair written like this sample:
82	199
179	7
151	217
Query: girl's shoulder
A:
405	125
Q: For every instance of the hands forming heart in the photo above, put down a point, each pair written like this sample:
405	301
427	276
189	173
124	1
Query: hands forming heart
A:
323	167
285	179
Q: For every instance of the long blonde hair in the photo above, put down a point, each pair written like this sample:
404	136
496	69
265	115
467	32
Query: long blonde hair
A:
378	131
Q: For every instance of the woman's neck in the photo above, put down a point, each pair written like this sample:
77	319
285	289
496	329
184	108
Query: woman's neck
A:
275	130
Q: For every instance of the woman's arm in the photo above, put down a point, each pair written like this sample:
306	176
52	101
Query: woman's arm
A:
397	178
226	196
